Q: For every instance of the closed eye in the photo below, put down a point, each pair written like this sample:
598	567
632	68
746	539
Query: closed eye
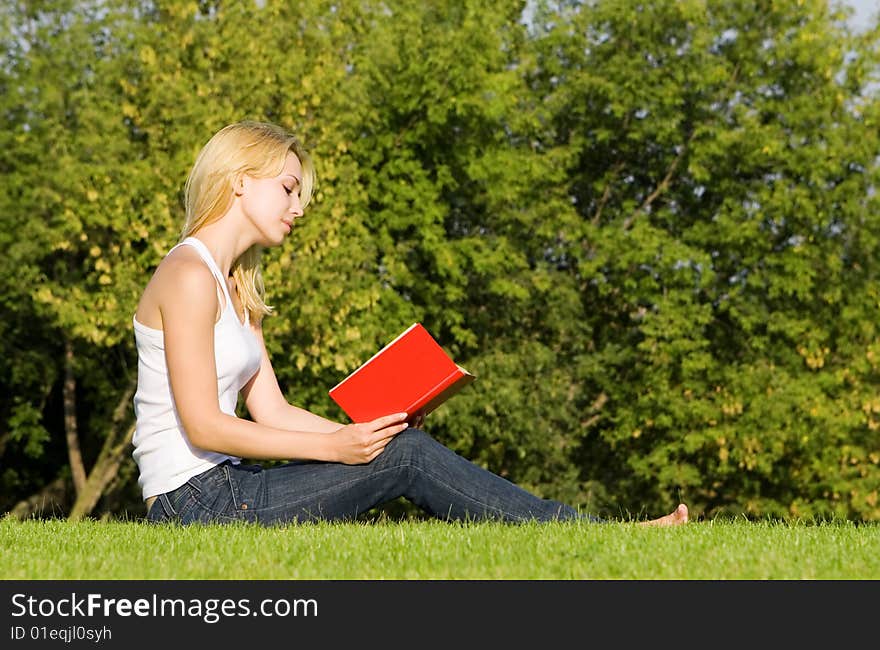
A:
292	185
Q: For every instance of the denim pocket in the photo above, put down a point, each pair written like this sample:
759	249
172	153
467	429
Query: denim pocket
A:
248	486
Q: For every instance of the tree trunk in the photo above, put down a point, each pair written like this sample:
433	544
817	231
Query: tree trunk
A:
102	474
77	469
108	462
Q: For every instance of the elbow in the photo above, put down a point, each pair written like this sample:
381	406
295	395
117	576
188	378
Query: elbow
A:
201	431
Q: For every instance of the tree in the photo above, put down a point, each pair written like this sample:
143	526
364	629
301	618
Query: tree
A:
724	158
61	156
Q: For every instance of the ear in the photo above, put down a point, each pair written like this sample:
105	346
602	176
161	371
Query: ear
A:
238	184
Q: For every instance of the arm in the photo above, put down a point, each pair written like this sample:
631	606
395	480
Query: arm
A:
188	305
266	402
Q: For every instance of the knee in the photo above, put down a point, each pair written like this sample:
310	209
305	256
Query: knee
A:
409	445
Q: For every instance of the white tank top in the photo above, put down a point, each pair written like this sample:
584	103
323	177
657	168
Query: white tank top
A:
162	451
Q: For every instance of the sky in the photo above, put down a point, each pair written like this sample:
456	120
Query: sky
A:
865	12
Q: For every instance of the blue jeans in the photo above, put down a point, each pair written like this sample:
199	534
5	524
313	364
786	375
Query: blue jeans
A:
413	465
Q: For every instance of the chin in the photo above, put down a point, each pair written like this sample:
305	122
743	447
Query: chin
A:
270	239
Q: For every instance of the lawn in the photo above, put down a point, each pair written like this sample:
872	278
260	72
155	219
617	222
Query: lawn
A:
429	550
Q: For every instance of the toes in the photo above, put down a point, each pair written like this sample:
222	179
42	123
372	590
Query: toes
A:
681	512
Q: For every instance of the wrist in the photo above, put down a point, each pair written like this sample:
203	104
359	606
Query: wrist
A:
326	447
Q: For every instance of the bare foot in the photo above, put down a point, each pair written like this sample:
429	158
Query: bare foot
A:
675	518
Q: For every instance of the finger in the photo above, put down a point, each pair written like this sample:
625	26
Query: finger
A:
389	432
384	436
387	420
379	447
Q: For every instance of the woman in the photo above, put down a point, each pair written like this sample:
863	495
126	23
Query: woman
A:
198	329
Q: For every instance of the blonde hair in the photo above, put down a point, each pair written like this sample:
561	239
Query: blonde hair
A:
259	150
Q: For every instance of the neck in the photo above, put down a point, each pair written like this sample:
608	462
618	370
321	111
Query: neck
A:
225	242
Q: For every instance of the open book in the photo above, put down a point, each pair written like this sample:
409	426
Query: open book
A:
412	374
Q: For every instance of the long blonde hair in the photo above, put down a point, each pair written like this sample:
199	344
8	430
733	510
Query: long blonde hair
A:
258	149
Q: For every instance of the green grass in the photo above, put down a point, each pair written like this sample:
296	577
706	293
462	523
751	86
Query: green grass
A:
427	550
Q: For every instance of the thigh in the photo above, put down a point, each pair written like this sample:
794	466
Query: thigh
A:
304	491
314	490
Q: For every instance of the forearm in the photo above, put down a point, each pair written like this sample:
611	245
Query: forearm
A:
293	418
235	436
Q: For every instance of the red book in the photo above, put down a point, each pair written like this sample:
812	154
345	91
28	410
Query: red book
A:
411	375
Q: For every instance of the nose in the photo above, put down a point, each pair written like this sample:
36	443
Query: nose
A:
295	206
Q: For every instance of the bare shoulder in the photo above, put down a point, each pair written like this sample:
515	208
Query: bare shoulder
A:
182	281
181	263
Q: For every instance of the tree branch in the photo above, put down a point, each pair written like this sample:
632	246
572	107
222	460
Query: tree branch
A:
606	194
54	495
662	187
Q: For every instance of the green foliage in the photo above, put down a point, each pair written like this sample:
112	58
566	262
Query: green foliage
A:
649	228
724	166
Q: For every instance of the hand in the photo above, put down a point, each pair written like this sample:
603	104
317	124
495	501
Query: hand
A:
361	442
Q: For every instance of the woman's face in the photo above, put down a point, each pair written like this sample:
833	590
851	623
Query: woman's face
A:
273	204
